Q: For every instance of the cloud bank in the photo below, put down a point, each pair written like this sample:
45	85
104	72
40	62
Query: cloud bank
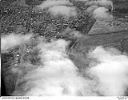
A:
97	8
111	71
58	76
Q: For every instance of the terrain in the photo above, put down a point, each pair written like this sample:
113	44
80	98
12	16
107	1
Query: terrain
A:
22	17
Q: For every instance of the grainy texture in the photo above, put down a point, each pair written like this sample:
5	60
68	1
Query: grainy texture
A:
20	17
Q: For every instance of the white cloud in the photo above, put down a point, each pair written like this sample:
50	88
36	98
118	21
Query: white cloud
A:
63	10
98	8
111	70
102	13
104	3
13	40
58	76
50	3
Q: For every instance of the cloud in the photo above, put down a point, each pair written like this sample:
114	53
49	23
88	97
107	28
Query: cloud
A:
12	40
57	76
100	8
111	71
63	10
51	3
97	8
104	3
102	13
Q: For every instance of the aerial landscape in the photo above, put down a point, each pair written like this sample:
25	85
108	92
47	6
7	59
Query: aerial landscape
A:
64	47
